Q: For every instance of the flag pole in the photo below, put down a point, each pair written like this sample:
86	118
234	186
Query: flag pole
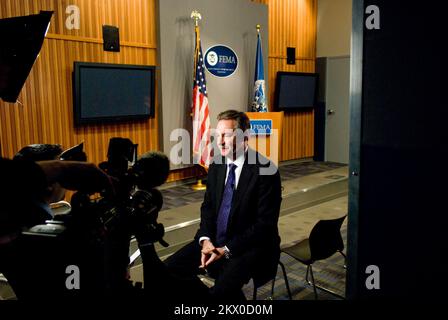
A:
199	185
259	103
196	16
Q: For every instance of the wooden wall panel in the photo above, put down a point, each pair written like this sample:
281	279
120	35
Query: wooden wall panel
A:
46	115
293	23
136	19
186	173
47	111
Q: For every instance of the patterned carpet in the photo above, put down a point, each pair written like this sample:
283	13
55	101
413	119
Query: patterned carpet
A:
183	195
329	273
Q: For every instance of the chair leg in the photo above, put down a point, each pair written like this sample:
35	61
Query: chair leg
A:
286	280
272	288
310	267
330	291
254	295
345	259
319	287
307	271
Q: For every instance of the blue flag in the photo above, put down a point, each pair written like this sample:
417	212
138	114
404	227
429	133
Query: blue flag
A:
259	104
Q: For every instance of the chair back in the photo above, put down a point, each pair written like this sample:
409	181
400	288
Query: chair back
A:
325	238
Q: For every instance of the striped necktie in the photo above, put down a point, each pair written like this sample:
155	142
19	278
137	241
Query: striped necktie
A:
224	209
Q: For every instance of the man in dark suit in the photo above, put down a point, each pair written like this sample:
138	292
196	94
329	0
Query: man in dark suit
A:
238	235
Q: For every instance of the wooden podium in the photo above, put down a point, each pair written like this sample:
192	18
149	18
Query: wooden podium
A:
268	144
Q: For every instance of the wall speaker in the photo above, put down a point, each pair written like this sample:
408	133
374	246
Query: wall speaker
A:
111	38
290	55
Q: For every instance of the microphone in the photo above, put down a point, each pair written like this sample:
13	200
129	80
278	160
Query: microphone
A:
145	208
151	170
147	203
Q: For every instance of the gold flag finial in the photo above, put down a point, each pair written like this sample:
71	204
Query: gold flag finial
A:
196	16
258	28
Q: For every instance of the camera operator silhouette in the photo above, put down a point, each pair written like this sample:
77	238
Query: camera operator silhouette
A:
29	265
43	152
94	236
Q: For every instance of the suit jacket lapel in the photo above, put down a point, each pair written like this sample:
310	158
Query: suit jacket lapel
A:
238	195
220	180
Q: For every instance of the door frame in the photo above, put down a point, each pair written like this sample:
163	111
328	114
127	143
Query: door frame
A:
356	67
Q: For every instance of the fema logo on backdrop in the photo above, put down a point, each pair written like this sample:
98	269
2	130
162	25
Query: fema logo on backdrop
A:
221	61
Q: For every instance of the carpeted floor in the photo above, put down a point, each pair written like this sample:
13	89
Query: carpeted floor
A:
183	195
329	273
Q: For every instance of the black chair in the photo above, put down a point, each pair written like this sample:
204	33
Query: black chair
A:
325	240
259	280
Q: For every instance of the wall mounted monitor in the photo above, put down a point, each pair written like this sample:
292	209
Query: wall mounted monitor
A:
295	91
112	92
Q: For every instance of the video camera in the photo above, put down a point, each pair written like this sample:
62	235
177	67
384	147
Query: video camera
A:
136	202
95	236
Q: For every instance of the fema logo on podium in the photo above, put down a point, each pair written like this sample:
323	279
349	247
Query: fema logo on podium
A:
261	126
221	61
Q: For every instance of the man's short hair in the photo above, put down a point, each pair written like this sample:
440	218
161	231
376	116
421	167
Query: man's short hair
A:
39	152
242	120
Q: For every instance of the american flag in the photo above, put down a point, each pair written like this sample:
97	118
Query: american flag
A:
202	147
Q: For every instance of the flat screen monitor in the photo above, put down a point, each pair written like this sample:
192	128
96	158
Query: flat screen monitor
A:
112	92
295	91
